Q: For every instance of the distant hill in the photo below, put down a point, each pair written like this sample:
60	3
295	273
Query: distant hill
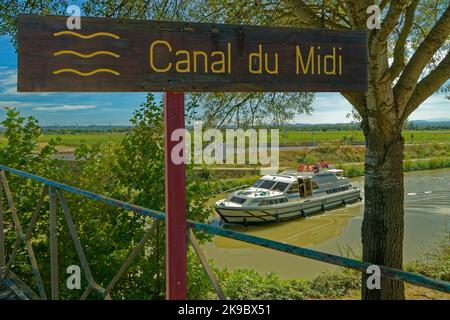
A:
434	124
91	128
438	123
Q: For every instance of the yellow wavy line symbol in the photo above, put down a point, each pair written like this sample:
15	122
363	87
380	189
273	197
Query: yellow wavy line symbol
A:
87	55
87	36
85	74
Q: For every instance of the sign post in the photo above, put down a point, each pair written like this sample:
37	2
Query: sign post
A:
118	55
176	284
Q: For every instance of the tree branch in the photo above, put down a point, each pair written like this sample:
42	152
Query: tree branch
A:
428	85
304	13
399	50
396	7
358	101
383	4
429	46
308	17
357	13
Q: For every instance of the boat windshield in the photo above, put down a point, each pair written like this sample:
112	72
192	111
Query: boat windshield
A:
238	200
257	183
267	184
280	186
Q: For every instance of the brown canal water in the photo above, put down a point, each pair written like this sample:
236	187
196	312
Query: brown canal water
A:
427	218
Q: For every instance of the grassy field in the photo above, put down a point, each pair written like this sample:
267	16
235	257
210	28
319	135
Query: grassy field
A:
419	136
74	140
87	138
292	137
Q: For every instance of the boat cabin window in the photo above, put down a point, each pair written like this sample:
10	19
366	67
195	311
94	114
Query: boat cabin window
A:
293	188
273	201
280	186
338	189
267	184
238	200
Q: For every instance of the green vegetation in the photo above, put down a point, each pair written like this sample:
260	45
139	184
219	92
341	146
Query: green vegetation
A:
293	137
132	171
357	170
248	284
351	158
77	139
419	136
341	284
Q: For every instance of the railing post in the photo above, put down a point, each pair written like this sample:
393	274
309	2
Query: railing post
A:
176	286
2	236
53	245
204	261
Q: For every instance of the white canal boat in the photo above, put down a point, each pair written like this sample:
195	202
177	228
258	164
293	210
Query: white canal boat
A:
288	195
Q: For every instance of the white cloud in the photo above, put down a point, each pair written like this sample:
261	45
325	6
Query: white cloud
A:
66	108
8	84
434	108
8	81
14	103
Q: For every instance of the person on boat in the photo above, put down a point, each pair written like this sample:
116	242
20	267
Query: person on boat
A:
316	168
324	164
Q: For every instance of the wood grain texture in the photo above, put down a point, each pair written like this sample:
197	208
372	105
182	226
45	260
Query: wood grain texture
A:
38	62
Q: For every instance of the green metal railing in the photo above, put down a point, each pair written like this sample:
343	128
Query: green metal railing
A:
55	192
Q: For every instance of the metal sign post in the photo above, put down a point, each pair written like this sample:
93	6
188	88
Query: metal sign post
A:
176	288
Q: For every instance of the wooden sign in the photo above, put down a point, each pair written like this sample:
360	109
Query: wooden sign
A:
131	55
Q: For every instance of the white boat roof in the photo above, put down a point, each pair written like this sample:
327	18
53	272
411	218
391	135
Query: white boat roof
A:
335	170
279	178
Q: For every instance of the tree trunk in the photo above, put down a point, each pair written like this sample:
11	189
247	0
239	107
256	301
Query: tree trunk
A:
382	228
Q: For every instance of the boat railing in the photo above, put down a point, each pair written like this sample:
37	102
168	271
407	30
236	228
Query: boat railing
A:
238	188
54	193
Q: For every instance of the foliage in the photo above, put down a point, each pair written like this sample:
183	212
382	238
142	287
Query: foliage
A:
247	109
9	11
23	136
434	263
132	171
339	284
248	284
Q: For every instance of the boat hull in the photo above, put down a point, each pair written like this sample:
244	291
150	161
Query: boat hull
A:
290	210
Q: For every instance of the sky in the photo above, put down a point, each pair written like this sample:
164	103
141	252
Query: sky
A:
71	109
